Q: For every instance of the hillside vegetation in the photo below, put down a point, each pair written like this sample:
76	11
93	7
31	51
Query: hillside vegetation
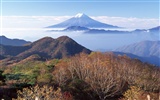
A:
95	76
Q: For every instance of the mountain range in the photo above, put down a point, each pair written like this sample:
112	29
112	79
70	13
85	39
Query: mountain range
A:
45	48
13	42
144	48
86	30
155	29
146	51
151	30
82	20
48	48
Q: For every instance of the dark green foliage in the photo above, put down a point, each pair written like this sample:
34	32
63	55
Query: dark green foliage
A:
2	78
80	90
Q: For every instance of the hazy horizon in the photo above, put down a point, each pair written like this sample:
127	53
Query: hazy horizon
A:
26	19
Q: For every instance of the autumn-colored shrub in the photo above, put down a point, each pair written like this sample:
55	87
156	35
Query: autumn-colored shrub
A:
42	93
107	75
135	93
97	76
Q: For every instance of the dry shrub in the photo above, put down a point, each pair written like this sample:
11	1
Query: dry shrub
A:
42	93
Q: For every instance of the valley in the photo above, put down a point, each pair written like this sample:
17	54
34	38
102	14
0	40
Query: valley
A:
74	69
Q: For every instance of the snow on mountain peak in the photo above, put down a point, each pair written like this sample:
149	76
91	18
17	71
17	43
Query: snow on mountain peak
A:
82	20
79	15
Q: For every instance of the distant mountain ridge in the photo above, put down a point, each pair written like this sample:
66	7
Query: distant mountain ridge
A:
14	42
148	51
82	20
7	50
154	30
144	48
155	60
76	28
151	30
89	31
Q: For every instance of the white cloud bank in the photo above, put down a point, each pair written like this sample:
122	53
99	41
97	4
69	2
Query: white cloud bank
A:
32	28
44	21
30	21
136	23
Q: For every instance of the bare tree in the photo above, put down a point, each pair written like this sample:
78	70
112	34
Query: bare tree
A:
97	71
40	93
60	76
78	67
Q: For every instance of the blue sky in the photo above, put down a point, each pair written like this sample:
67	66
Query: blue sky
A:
26	19
120	8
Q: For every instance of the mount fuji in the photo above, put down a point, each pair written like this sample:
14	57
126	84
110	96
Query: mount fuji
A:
82	20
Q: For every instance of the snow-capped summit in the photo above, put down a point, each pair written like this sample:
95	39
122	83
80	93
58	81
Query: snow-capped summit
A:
79	15
82	20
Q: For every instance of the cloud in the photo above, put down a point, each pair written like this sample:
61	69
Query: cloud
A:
140	23
43	21
31	21
32	27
